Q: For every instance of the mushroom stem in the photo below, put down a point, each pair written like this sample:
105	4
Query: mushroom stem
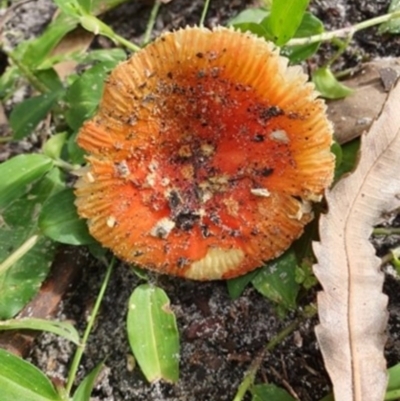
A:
343	32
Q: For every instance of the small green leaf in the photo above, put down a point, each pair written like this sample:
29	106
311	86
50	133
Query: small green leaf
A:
348	159
237	285
270	392
85	93
8	81
59	220
85	389
21	280
254	15
257	29
86	5
394	378
50	79
36	51
27	115
62	329
20	380
70	7
76	154
96	26
153	333
277	280
18	173
284	19
310	25
53	146
392	26
327	84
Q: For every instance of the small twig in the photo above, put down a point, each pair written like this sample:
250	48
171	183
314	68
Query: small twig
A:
151	22
81	348
6	139
204	13
285	383
344	32
250	375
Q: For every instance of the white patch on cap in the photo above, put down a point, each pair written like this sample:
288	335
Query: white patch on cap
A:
279	135
260	192
111	221
90	177
215	264
162	228
305	207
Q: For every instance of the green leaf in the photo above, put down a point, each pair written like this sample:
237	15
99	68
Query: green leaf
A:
70	7
18	173
254	15
53	146
257	29
62	329
237	285
59	220
27	115
327	84
85	389
270	392
96	26
76	154
277	280
310	25
153	333
50	78
85	93
394	378
20	380
284	19
86	5
20	282
36	51
392	26
349	157
8	81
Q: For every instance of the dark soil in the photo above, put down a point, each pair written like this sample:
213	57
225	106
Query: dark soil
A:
219	337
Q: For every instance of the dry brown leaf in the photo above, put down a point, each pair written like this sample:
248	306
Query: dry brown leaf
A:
352	308
354	114
75	41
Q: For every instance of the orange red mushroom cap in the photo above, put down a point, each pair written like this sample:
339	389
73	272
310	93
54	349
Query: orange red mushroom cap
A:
204	156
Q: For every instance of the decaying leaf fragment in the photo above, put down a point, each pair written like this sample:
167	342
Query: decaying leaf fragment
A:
352	308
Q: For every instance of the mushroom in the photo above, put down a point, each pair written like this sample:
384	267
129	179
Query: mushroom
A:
204	156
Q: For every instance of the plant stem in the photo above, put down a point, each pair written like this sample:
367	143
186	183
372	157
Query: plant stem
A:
250	375
204	13
19	253
343	32
29	75
81	348
65	165
151	22
129	45
386	231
